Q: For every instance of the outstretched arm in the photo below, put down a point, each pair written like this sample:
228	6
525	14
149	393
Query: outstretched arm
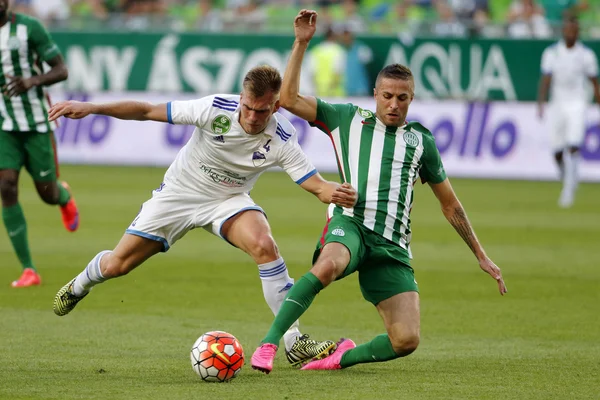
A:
456	215
328	192
136	110
305	107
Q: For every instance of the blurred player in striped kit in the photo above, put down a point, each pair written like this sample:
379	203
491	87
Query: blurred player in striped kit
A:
26	135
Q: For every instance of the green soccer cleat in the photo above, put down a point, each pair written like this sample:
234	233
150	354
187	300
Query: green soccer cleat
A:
65	300
304	350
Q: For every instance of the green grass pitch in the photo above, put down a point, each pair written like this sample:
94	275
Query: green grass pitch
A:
130	339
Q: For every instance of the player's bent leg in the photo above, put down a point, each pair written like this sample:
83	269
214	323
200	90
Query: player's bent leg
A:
16	227
250	231
131	251
402	319
54	193
400	314
331	263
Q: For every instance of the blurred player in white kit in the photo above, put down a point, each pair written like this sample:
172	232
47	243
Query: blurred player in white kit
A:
567	66
237	137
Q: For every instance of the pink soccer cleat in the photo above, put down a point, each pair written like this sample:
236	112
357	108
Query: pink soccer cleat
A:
332	361
263	357
29	278
70	213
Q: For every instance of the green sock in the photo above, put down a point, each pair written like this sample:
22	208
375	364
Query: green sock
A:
63	195
378	349
14	221
300	297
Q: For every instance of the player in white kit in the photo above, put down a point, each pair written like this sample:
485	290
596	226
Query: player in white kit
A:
237	137
567	66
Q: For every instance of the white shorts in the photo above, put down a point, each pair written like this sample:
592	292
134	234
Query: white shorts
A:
168	215
566	125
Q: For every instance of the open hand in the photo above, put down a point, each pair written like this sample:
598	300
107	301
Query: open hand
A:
488	266
305	25
70	109
345	196
15	85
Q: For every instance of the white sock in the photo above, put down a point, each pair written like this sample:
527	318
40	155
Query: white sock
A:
570	177
90	276
276	283
575	160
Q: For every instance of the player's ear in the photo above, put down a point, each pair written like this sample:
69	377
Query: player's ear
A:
277	106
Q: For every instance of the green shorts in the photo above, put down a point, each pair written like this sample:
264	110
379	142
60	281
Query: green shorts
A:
383	266
33	150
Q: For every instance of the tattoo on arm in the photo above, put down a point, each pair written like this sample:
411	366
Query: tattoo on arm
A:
461	224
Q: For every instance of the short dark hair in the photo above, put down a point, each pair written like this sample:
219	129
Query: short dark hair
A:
570	18
262	79
395	71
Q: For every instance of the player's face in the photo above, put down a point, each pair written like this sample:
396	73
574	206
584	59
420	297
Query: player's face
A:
3	6
256	111
393	96
570	32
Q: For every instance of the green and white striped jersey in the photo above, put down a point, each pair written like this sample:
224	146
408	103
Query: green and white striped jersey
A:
382	163
24	45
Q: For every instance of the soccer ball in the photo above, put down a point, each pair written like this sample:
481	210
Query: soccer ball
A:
217	356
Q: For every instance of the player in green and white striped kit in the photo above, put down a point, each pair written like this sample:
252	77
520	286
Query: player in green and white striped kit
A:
382	156
26	136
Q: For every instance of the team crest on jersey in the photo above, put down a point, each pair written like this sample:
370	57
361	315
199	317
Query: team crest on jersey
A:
411	139
258	158
366	114
338	232
14	43
221	124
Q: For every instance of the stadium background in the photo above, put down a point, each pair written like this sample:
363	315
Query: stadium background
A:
476	66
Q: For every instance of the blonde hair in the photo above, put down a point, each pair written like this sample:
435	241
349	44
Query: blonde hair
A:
262	79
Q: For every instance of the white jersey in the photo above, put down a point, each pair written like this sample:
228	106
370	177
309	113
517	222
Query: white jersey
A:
221	159
571	69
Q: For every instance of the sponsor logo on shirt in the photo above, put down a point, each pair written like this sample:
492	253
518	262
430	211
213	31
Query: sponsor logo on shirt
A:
225	178
221	124
411	139
219	138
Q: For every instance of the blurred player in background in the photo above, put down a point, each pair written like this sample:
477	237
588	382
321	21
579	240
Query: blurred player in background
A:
566	68
237	137
26	136
382	156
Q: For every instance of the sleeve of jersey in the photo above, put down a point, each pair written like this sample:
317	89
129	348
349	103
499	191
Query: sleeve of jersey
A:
328	115
432	168
295	163
190	112
547	61
41	41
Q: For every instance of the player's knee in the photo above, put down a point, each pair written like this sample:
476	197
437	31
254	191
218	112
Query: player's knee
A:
263	247
326	270
405	343
48	194
9	190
